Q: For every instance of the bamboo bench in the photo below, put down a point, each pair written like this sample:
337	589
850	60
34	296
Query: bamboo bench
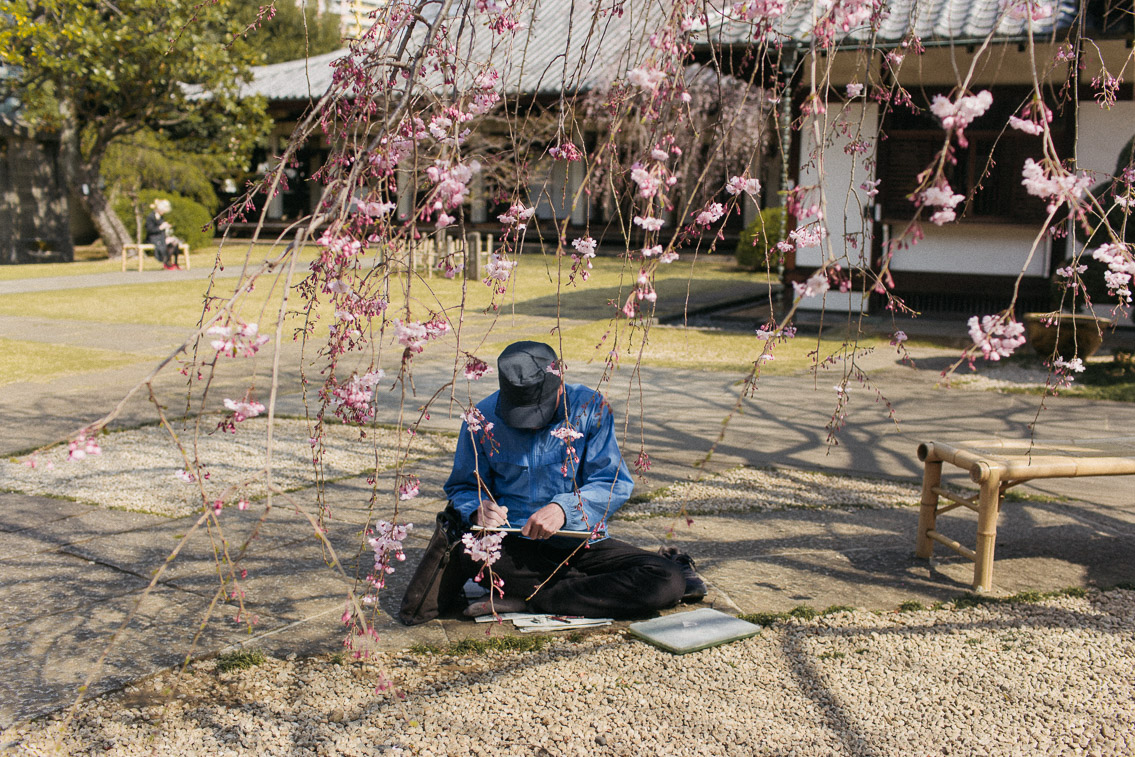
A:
142	249
995	465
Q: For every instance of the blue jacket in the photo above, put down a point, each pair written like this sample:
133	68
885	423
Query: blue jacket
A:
525	470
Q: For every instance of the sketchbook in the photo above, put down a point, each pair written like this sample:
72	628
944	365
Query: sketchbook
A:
516	530
537	623
692	631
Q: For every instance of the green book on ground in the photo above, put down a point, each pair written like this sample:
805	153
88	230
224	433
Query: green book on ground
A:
691	631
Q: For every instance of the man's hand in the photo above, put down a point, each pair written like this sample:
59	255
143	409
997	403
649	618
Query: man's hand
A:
491	515
544	522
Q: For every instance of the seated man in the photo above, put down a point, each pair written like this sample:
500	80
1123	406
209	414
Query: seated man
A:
549	462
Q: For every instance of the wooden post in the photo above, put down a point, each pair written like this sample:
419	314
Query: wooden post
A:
472	255
928	514
988	510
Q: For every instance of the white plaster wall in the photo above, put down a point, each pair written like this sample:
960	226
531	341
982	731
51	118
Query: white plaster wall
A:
845	202
1102	133
842	172
990	249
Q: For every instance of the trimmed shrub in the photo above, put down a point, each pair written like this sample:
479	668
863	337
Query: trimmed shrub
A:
756	247
186	216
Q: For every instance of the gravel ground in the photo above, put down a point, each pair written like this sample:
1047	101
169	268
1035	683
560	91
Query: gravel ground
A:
756	489
1008	679
144	464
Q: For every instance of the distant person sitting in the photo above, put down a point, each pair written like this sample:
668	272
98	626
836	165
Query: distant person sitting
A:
159	233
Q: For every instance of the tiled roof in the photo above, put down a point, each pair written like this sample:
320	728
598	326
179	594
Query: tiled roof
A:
563	47
933	21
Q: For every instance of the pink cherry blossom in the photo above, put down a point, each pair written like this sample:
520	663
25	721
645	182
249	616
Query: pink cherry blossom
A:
1055	185
566	151
81	446
498	269
353	402
409	489
648	224
243	340
566	434
711	214
387	545
646	78
243	409
995	336
485	549
815	286
585	246
475	419
517	215
738	184
475	368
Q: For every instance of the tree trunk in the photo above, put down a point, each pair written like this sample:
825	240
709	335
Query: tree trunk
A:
83	173
109	226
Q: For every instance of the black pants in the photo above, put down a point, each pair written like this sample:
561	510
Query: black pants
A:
609	579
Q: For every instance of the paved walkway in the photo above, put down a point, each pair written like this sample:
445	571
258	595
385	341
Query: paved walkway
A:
70	571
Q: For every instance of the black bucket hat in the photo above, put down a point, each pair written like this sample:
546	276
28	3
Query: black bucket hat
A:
529	391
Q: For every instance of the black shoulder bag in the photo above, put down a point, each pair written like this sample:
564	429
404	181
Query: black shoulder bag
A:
440	576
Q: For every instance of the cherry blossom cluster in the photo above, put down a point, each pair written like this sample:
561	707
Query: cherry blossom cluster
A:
1056	186
581	258
1033	119
485	549
743	184
475	419
996	336
957	115
410	487
81	446
240	410
815	286
1121	268
504	15
497	272
451	187
566	151
242	340
413	335
758	10
475	368
353	402
517	215
387	547
712	213
1028	10
942	197
566	434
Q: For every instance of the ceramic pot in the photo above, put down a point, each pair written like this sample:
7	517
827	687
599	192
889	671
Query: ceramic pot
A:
1066	335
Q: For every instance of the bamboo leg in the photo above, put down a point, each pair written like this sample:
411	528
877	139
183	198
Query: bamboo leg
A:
928	515
988	510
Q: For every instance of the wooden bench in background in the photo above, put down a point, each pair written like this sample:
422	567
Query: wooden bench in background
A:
142	249
997	464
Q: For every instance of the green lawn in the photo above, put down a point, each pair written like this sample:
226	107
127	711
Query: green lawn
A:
538	300
36	361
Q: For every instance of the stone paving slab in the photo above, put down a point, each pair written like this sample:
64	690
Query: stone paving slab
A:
51	660
53	584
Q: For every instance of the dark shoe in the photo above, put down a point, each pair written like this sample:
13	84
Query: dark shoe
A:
695	587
